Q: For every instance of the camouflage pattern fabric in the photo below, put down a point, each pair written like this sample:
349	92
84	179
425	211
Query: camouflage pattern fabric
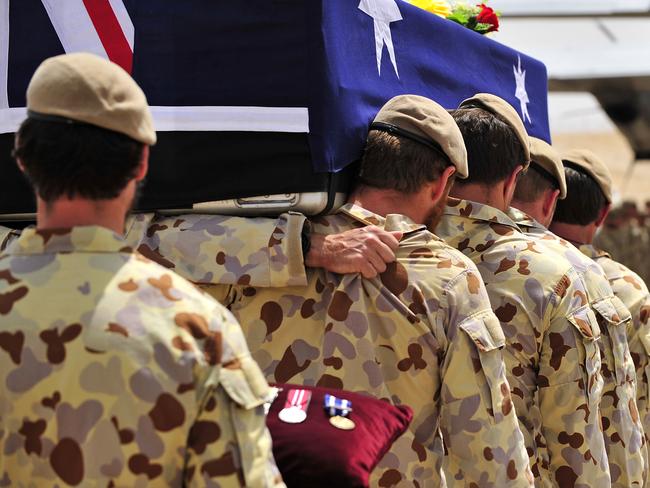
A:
7	236
633	292
116	372
552	356
628	245
623	431
421	334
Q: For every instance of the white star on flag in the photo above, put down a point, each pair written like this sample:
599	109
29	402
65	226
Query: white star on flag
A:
520	91
383	12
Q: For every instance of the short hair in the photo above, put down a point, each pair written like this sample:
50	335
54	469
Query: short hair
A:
584	201
534	183
76	159
493	148
394	162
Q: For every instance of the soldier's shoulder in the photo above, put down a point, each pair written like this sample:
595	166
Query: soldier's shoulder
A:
141	269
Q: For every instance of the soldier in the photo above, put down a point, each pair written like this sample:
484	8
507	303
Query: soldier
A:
551	354
534	201
114	371
577	219
421	334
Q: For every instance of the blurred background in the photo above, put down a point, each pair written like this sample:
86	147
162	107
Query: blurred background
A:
597	53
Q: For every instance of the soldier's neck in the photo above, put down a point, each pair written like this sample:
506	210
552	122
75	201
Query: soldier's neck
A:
492	195
382	202
533	209
580	234
65	213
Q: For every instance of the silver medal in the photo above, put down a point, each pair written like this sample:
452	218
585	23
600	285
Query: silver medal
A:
292	415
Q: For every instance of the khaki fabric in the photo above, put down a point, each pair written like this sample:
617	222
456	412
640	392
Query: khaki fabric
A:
422	334
87	88
633	292
552	356
498	106
623	430
544	155
427	120
114	371
594	167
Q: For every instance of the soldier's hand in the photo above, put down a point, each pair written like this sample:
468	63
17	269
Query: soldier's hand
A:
366	250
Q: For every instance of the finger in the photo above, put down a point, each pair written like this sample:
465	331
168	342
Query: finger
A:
386	253
367	270
391	239
375	260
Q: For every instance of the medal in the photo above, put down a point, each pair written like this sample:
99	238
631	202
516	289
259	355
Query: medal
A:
295	407
342	423
338	410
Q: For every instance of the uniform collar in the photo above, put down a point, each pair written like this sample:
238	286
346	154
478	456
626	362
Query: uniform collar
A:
478	211
593	252
522	219
75	239
392	222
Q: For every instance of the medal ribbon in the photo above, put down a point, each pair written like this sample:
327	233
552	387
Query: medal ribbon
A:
337	406
298	399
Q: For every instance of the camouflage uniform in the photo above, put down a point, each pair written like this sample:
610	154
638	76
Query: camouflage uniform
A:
116	372
623	432
7	236
633	292
552	335
421	334
627	244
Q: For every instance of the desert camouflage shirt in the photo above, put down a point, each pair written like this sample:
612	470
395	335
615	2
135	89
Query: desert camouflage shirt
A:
422	334
623	432
633	292
552	356
116	372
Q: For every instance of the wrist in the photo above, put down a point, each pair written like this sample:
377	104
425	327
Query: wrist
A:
314	257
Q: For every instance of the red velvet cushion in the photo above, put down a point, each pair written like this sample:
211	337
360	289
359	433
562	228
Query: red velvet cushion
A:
314	453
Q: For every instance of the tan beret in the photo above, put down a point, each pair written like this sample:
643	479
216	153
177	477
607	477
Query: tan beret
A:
544	155
86	88
498	106
594	167
424	121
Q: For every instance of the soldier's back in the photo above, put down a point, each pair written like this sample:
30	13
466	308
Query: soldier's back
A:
421	334
109	366
551	335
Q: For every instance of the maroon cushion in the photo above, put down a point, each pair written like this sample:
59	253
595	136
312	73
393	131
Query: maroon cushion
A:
314	453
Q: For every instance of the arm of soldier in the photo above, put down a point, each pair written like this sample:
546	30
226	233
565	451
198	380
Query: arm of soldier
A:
366	250
264	252
7	236
478	421
229	442
631	289
570	388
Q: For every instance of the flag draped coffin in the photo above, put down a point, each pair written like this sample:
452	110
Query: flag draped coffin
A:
262	97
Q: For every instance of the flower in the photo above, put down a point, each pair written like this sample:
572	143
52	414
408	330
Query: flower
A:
438	7
488	16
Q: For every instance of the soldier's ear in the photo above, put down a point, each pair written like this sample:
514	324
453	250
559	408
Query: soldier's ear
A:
440	187
20	165
603	215
510	184
143	166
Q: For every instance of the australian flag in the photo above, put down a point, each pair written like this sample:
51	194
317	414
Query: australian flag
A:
263	96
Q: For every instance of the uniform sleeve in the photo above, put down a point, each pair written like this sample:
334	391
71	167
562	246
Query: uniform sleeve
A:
483	442
631	289
226	250
570	389
7	236
229	443
623	432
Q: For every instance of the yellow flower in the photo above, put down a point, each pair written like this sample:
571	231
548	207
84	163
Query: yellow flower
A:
438	7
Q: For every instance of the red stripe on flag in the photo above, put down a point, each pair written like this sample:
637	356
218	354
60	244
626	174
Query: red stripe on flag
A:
110	32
